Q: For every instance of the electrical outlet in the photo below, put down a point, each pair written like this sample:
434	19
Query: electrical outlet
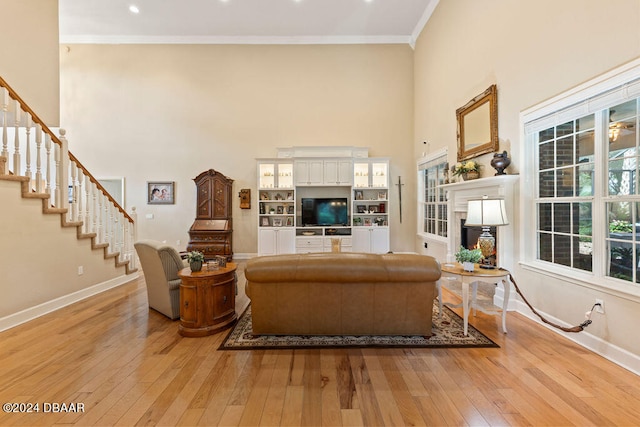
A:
80	270
599	308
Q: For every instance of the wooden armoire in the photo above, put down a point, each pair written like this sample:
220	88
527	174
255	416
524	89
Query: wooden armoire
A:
211	232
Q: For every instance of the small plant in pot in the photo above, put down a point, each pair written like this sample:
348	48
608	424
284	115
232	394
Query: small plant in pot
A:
468	257
195	260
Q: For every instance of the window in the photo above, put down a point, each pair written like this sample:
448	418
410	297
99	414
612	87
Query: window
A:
432	174
585	212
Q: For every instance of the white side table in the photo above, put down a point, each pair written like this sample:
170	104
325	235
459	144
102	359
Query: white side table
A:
455	270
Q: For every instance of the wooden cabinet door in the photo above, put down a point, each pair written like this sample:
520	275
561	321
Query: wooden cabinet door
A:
188	305
223	298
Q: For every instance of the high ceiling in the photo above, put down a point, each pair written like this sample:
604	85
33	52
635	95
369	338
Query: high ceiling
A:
243	21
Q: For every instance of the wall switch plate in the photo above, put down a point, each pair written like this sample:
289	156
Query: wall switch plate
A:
149	216
80	270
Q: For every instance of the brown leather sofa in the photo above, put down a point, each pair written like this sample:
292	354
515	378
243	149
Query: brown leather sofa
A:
342	294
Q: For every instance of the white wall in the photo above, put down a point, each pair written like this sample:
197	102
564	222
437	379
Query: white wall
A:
29	54
169	112
40	258
532	51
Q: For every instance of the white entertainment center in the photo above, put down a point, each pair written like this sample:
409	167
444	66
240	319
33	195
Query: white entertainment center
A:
311	199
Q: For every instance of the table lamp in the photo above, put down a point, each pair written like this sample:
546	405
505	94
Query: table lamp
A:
486	213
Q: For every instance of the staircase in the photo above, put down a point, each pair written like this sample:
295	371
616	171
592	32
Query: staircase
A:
46	170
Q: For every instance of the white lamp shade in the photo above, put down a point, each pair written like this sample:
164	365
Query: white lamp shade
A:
486	212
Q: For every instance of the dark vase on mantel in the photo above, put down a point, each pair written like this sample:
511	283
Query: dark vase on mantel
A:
500	162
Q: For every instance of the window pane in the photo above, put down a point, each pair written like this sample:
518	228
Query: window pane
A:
564	182
545	247
586	122
564	129
585	180
619	220
562	218
564	151
622	176
562	249
546	135
582	254
546	184
546	156
585	147
582	219
621	260
544	217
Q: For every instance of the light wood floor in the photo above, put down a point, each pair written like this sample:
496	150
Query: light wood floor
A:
128	366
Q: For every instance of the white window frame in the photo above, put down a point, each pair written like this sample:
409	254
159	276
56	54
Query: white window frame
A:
421	165
618	85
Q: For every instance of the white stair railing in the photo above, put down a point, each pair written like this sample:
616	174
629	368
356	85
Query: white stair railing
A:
72	188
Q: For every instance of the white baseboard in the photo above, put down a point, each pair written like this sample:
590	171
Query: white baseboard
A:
244	256
611	352
31	313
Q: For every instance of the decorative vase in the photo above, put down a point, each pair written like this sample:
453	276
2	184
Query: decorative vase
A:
468	266
468	176
195	265
500	162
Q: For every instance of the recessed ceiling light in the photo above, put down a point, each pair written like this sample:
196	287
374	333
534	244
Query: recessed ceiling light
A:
134	9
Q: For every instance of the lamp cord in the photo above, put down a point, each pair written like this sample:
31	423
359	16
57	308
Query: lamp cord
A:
578	328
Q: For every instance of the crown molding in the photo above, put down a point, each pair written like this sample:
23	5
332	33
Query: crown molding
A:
248	40
431	7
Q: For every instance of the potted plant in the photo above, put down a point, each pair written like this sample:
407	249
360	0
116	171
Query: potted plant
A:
467	170
195	260
468	257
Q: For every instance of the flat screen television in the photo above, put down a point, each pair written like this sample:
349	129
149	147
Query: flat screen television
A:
329	211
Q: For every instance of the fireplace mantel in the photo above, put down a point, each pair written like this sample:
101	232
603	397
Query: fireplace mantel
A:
458	195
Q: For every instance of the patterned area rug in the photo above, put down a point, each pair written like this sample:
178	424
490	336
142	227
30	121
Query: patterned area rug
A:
445	333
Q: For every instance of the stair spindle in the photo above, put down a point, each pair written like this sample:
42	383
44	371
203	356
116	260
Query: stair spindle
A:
5	108
47	146
28	124
16	139
38	128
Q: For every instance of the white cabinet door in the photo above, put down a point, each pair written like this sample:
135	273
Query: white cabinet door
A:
286	241
337	172
379	240
370	239
309	172
267	244
274	241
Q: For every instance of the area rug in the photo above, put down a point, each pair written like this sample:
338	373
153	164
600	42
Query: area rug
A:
446	333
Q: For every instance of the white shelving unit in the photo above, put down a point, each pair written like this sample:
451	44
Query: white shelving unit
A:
365	180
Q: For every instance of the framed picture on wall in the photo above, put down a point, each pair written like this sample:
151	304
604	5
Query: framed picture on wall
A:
160	192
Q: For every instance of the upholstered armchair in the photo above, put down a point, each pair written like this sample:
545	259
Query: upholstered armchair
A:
161	264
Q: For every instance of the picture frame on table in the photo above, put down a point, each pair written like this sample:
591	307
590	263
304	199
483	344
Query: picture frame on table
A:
367	221
361	208
359	195
382	195
289	222
265	221
291	209
160	192
373	208
277	222
280	210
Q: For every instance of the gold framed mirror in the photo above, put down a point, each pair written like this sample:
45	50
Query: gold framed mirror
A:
478	125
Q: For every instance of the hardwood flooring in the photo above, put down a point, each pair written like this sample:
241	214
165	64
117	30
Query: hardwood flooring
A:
124	364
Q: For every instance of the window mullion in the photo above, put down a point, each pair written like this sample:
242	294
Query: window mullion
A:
600	192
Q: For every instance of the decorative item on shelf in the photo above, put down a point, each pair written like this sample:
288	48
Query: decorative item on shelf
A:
486	213
195	260
335	244
500	162
467	170
222	261
468	257
245	198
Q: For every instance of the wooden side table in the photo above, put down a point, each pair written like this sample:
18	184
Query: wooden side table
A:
207	300
455	270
